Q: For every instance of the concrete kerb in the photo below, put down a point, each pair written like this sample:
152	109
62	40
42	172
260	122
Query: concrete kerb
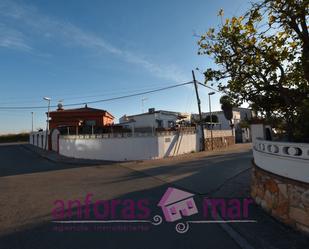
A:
56	158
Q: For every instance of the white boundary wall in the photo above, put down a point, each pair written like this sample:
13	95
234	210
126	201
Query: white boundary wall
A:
122	147
38	139
114	149
287	159
128	148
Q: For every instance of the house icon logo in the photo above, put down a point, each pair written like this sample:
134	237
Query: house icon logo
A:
176	203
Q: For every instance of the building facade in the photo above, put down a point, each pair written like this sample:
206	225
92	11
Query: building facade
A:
80	117
154	119
239	114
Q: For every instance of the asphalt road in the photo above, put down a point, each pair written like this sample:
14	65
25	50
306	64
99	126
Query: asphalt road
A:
30	185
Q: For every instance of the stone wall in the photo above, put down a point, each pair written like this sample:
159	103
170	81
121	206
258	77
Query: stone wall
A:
284	198
219	142
218	133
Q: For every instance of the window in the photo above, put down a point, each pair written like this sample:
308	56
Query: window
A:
160	123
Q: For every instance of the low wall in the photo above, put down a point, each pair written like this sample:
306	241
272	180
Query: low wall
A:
177	144
38	139
280	181
285	199
127	147
221	139
219	142
218	133
114	149
130	146
287	159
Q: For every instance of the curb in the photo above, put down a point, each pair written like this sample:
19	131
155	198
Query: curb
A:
67	160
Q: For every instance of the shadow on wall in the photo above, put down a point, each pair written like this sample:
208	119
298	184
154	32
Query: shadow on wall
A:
172	145
129	148
114	149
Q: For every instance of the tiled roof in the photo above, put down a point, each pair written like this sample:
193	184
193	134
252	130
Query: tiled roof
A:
83	109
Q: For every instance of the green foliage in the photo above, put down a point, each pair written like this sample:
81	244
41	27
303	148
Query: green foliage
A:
244	124
227	107
264	58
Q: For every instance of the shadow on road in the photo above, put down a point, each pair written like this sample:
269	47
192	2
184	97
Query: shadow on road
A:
266	233
17	159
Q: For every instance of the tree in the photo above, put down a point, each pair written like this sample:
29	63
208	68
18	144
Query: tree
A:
263	56
292	17
227	108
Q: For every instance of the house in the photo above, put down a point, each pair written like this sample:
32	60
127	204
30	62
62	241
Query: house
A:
219	120
75	119
221	123
176	203
245	113
154	119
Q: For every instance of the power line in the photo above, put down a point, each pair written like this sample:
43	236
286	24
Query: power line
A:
208	87
124	90
95	101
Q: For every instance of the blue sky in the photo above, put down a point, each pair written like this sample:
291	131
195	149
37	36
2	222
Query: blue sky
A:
79	51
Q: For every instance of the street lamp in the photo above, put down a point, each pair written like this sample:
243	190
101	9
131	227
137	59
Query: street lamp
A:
211	136
47	121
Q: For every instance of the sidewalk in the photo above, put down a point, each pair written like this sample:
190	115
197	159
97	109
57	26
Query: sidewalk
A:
57	158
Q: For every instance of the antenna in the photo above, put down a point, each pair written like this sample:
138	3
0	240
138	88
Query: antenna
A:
143	103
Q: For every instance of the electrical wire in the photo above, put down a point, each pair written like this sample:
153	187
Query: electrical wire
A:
208	87
124	90
95	101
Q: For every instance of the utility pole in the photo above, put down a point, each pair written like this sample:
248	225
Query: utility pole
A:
47	122
211	124
199	112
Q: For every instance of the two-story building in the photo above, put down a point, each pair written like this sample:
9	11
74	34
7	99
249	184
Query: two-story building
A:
79	117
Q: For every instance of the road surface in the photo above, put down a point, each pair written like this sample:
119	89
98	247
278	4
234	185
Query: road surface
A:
30	185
